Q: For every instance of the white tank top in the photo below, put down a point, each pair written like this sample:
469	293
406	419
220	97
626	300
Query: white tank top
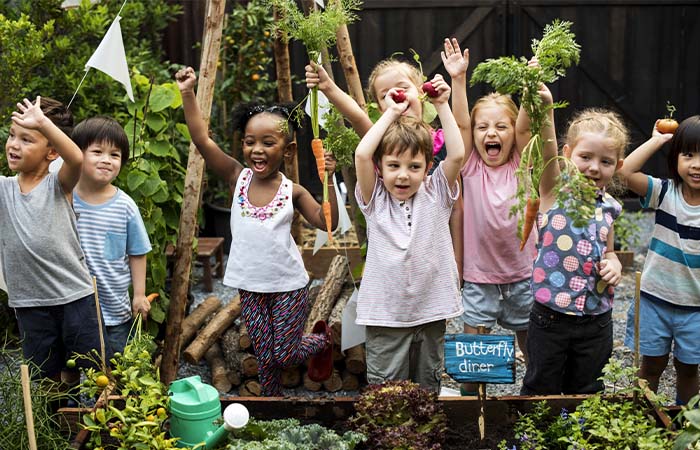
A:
264	256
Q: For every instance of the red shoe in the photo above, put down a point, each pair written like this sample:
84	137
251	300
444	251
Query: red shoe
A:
321	364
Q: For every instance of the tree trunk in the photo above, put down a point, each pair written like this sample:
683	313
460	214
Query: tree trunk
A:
213	331
219	374
332	283
194	321
213	26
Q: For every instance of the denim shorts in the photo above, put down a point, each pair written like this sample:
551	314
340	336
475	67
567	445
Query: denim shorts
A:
508	304
566	353
666	327
52	334
119	335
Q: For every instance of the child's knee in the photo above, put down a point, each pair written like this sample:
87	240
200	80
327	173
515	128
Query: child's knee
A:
685	370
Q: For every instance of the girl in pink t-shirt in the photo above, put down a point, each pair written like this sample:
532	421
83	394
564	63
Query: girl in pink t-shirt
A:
496	273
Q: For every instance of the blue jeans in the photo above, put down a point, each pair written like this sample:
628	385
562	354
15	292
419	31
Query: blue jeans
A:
566	353
119	335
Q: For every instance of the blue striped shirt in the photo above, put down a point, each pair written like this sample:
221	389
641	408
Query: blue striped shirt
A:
672	266
109	234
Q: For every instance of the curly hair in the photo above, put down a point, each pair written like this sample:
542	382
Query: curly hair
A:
243	112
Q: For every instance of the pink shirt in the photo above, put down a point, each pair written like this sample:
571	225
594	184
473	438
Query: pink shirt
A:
410	275
491	246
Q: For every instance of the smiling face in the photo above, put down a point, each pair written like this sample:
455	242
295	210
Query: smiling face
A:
102	162
689	171
28	150
596	156
494	134
264	144
402	173
399	77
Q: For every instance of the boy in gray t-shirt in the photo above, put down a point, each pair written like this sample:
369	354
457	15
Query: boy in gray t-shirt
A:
48	282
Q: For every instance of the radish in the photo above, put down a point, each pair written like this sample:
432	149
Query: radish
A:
399	96
430	90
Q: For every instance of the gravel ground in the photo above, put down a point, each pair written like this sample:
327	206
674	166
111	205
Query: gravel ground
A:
624	297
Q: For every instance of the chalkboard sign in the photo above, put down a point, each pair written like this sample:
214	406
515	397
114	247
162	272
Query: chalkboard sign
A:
480	358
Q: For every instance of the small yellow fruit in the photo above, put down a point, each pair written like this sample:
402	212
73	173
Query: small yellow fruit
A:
150	417
70	363
102	381
266	33
255	77
160	412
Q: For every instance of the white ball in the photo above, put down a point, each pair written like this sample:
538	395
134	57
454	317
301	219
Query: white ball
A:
236	415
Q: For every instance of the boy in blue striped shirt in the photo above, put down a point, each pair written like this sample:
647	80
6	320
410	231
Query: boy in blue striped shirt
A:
111	230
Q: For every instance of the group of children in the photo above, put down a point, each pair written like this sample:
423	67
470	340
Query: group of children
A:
441	240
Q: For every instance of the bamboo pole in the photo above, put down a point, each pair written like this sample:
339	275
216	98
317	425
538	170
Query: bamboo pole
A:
481	329
213	26
28	414
637	290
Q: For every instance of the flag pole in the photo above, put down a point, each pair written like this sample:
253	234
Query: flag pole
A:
78	88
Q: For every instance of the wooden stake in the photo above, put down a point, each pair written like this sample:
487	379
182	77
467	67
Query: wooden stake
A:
481	329
637	289
28	414
99	327
213	26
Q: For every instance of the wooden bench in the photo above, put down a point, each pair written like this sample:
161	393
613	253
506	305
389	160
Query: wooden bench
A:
206	248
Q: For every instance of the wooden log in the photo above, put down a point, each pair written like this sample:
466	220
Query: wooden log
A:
334	383
234	378
337	355
355	360
244	342
332	283
335	319
250	388
351	382
249	365
231	350
219	373
194	321
291	377
213	331
310	384
213	26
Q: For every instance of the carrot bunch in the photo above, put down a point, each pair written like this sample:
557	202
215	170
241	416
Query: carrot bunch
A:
317	148
533	205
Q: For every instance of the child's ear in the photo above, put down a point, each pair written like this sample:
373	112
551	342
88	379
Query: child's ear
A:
290	149
620	163
566	150
427	169
52	155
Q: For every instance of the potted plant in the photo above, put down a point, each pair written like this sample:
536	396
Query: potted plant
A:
627	237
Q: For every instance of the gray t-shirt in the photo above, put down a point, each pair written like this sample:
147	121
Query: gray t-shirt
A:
42	261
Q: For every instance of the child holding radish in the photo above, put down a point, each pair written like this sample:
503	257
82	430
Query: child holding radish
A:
264	262
670	290
410	284
112	233
49	285
570	333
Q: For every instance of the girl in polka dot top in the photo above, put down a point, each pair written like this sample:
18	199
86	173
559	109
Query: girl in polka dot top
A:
570	330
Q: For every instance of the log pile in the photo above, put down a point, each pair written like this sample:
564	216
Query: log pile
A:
217	334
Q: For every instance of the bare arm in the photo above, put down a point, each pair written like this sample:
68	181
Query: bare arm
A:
456	65
631	169
453	138
522	123
137	265
316	75
309	207
217	160
610	266
551	171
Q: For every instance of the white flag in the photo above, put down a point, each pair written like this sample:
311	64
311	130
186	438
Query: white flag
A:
344	222
110	57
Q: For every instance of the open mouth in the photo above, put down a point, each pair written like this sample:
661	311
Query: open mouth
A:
695	177
493	149
13	156
259	166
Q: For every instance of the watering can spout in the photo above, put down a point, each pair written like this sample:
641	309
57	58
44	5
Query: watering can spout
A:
235	416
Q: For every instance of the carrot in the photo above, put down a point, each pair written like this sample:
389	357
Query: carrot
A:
317	148
152	297
329	221
533	205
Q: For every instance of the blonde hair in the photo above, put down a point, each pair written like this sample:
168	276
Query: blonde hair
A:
407	133
599	121
494	98
411	71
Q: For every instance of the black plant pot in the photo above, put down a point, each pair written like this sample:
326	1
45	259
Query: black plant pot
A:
217	223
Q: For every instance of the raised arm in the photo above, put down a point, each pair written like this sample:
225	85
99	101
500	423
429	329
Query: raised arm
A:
453	138
364	164
217	160
522	123
456	65
31	116
631	169
316	75
551	171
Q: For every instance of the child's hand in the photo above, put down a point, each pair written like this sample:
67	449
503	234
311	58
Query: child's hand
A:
545	94
611	271
141	305
455	62
664	137
443	89
186	79
29	115
316	76
391	103
330	163
533	62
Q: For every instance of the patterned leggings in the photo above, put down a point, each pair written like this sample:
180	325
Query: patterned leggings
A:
275	323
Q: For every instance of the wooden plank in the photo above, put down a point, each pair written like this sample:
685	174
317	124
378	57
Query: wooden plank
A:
480	358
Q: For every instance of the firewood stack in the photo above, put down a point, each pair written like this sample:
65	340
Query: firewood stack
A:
219	336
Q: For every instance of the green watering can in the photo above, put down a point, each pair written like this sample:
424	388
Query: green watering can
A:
194	410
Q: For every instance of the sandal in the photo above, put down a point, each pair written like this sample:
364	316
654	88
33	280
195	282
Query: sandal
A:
321	364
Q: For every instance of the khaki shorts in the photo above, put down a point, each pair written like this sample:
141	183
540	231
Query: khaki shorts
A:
412	353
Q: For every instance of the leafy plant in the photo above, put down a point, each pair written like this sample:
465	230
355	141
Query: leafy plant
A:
689	436
400	415
340	140
628	232
600	422
288	434
555	52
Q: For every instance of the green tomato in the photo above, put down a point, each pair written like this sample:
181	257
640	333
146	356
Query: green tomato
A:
70	363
